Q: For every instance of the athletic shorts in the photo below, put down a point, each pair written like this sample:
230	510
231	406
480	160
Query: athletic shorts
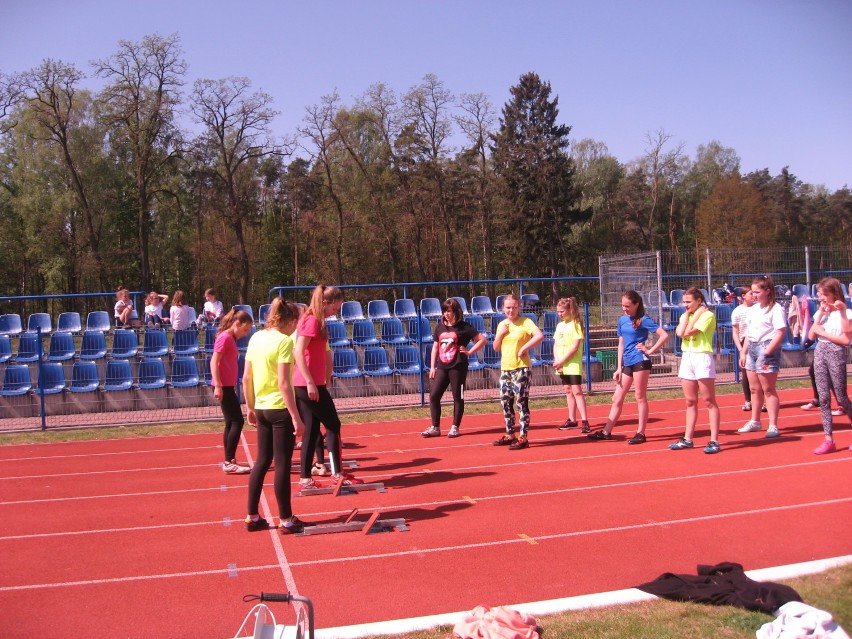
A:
571	380
644	365
697	366
759	362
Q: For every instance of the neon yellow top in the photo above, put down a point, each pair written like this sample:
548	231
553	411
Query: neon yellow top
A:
701	342
564	335
520	332
267	349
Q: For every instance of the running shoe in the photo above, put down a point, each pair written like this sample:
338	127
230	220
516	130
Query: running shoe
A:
346	479
638	438
319	470
454	432
681	444
827	446
230	468
811	405
747	406
712	448
568	425
431	432
838	412
600	436
292	526
309	483
749	427
586	428
506	440
254	526
521	443
772	432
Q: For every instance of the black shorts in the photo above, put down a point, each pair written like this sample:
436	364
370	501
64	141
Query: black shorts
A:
644	365
571	380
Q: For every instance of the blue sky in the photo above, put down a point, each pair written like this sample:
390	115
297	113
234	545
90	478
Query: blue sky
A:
770	78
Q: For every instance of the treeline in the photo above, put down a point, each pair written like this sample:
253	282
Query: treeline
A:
151	183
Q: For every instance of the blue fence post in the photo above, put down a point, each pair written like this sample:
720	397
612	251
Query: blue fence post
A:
40	386
420	357
588	348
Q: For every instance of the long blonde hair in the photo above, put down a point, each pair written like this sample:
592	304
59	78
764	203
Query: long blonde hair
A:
322	296
573	310
281	312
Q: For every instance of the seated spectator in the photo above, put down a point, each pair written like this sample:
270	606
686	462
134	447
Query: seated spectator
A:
123	308
154	309
180	314
213	309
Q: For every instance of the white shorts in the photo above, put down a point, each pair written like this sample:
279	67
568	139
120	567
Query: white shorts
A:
697	366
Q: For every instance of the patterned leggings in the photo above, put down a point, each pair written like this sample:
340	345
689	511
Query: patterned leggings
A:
830	372
515	385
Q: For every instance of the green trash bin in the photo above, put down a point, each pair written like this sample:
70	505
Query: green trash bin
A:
608	360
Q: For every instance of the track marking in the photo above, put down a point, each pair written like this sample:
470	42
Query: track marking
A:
528	539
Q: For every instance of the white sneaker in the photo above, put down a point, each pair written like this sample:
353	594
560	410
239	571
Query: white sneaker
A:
772	431
811	405
838	412
431	432
749	427
747	406
230	468
319	469
454	431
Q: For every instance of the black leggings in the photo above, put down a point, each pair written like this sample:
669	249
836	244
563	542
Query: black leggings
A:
454	378
313	414
275	440
233	415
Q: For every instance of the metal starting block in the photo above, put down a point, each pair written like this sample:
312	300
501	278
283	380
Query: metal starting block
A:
372	525
347	464
340	489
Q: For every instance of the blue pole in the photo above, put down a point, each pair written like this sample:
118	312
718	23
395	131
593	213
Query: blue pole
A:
588	347
40	351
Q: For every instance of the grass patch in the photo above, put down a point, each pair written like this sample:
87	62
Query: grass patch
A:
662	619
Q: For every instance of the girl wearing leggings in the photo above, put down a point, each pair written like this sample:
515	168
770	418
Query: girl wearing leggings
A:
832	329
449	364
224	371
311	379
272	408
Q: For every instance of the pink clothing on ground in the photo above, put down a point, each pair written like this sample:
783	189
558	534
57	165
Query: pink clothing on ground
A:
314	353
496	623
226	346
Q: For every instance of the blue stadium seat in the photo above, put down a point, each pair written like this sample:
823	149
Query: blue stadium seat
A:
478	323
10	324
430	308
41	321
125	344
242	343
98	321
210	337
676	297
262	312
406	360
530	302
392	333
29	348
549	321
463	303
495	321
84	377
376	362
801	289
152	373
545	352
474	362
498	303
351	311
244	307
420	330
155	343
346	364
726	340
654	297
93	346
61	347
490	357
364	333
723	314
185	342
184	372
51	379
378	310
16	380
208	376
69	322
118	376
674	317
404	308
5	349
337	337
481	305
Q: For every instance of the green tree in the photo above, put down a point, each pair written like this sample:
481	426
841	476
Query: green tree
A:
733	215
530	155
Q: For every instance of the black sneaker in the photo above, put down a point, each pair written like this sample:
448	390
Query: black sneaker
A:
600	435
568	425
506	440
292	526
254	526
586	428
521	443
638	438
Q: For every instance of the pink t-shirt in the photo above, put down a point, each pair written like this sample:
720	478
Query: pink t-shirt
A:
226	345
314	354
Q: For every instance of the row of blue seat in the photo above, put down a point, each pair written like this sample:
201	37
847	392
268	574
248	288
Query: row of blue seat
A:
430	307
10	323
118	376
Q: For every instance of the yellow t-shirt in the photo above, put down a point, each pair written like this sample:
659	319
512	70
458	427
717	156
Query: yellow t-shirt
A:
267	349
520	332
565	333
701	342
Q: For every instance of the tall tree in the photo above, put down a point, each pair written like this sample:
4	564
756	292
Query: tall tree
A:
236	136
530	154
140	102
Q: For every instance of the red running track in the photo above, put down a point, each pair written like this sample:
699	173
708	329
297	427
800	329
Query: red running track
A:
144	537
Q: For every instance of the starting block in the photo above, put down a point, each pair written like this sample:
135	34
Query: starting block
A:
340	489
372	525
347	464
